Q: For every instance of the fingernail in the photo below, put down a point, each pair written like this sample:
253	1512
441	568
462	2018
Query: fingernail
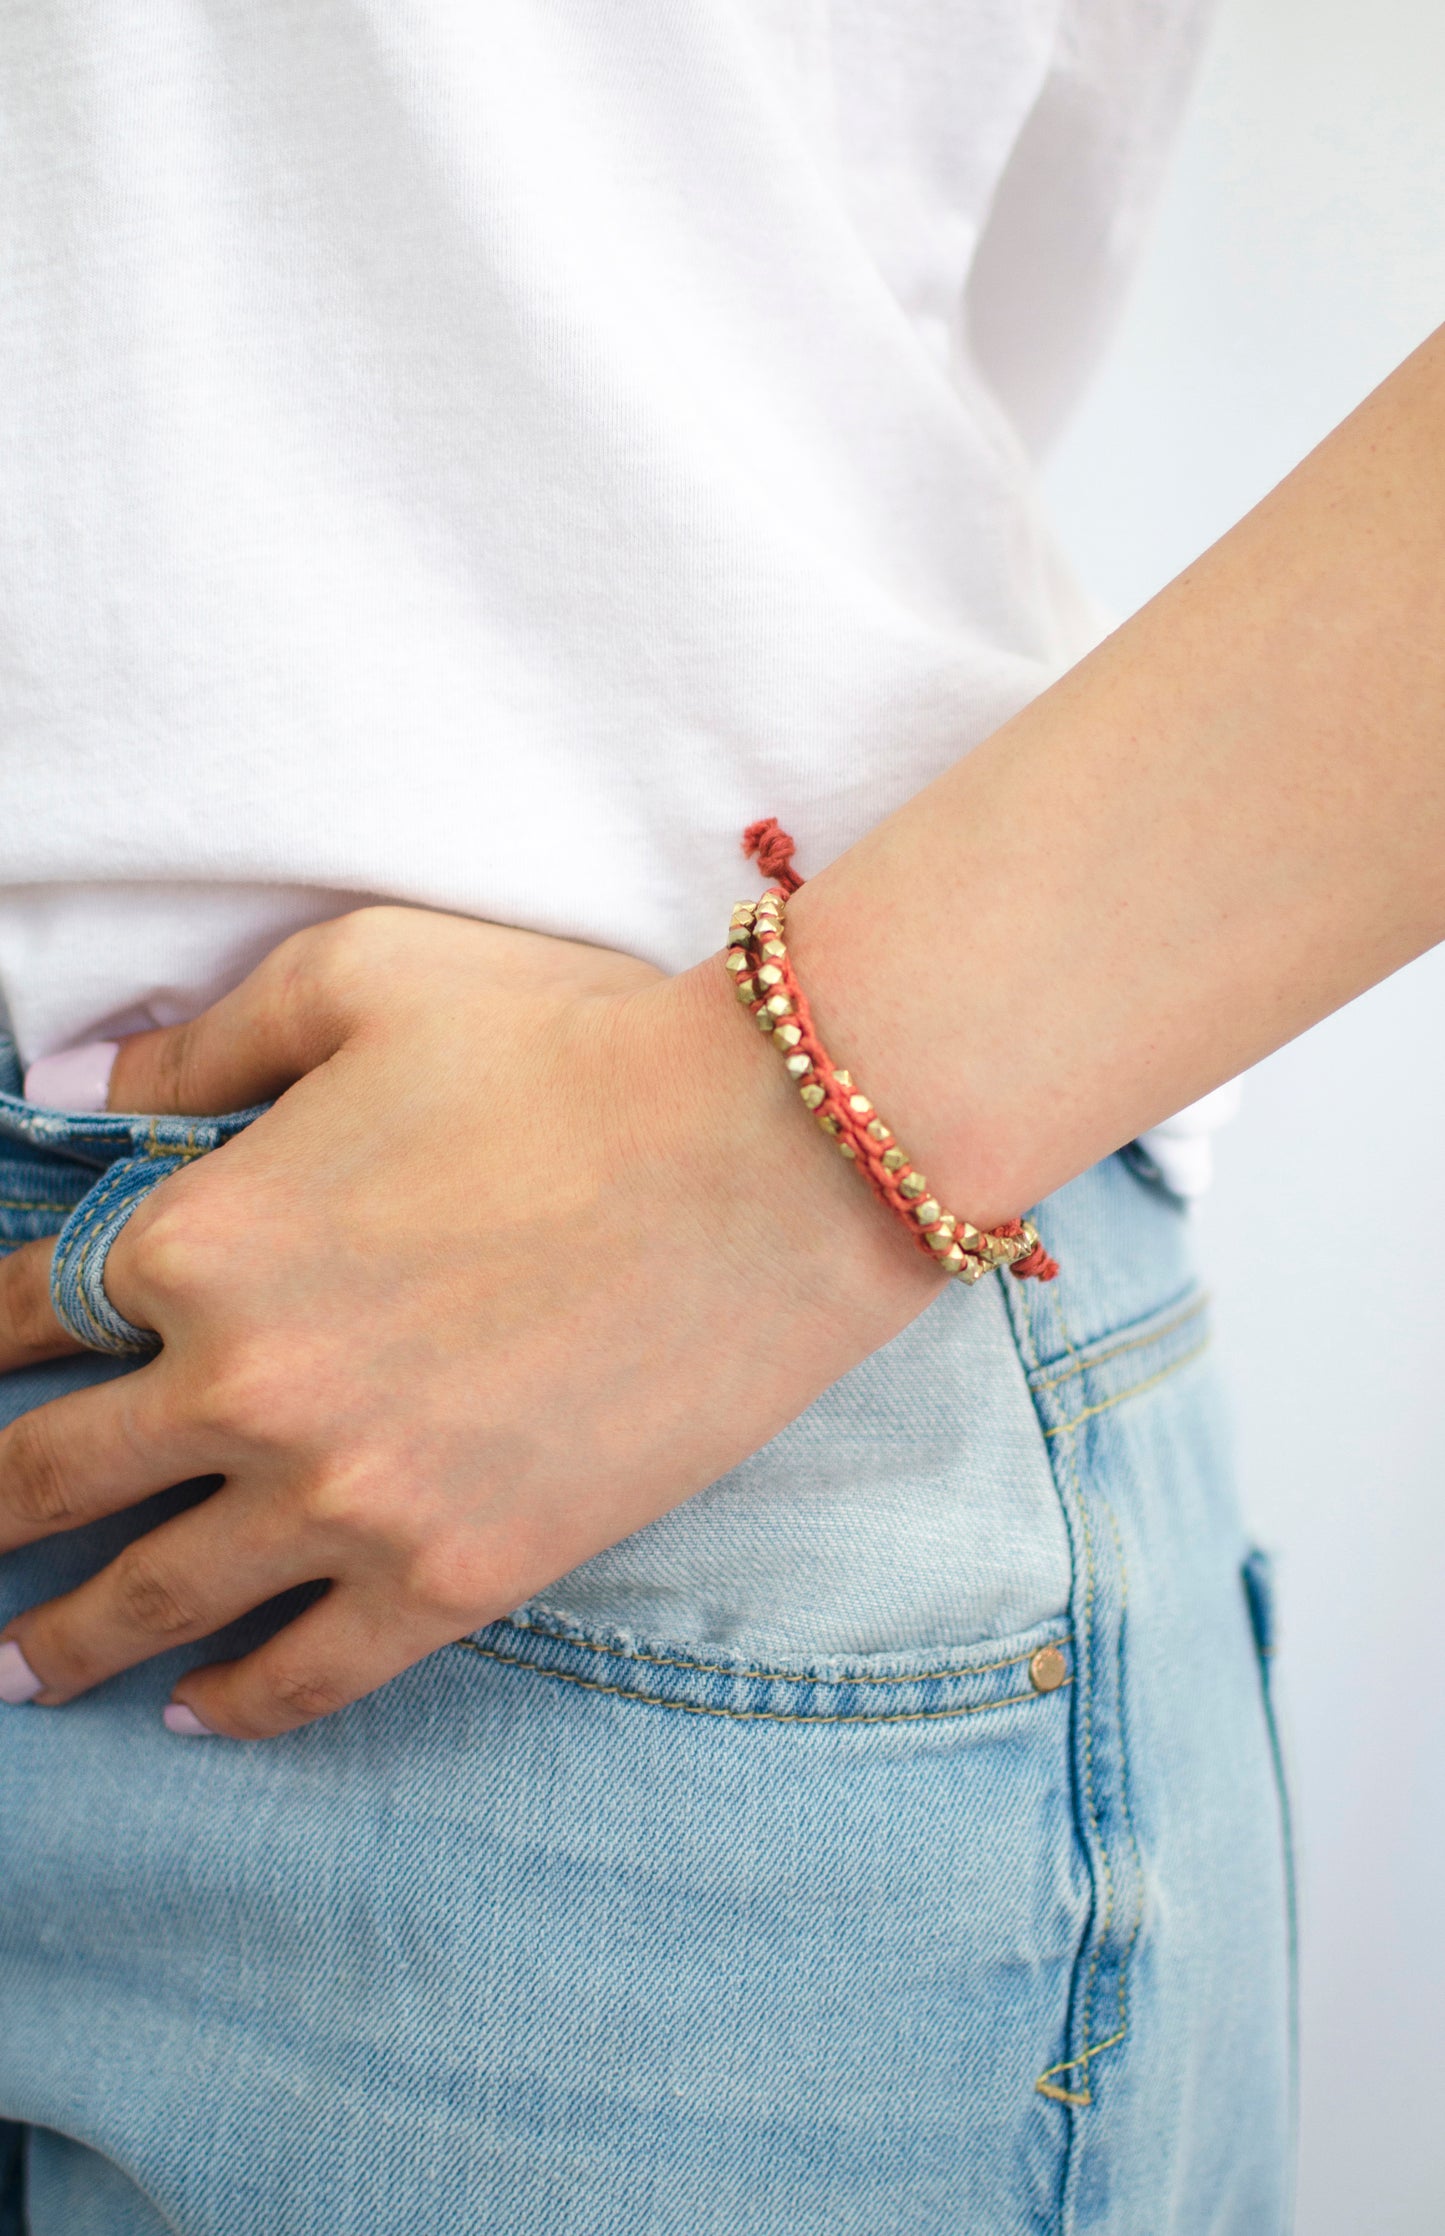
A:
18	1681
76	1079
184	1722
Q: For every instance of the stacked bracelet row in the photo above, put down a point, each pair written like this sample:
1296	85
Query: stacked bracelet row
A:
764	982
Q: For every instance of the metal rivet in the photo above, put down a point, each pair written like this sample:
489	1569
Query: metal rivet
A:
1047	1670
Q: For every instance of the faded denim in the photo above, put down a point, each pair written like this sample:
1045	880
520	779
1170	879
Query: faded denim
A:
742	1885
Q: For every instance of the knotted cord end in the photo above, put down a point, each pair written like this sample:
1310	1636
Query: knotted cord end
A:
774	850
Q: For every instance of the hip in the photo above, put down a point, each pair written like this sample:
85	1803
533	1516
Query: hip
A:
888	1840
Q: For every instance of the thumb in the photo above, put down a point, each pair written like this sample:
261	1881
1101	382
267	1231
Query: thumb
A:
292	1013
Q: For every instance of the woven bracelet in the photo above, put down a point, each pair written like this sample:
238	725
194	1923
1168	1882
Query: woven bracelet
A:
765	983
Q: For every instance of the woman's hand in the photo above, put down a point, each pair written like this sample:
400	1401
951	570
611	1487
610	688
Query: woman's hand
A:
533	1245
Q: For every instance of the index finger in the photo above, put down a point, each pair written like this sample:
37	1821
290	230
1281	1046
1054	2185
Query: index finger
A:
287	1017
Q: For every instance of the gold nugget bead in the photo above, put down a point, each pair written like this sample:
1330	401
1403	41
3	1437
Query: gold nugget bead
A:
878	1131
799	1065
787	1036
894	1159
770	975
968	1236
941	1241
736	960
844	1078
861	1104
740	935
827	1121
953	1260
813	1094
846	1149
927	1211
773	948
762	1020
912	1186
746	991
972	1269
780	1005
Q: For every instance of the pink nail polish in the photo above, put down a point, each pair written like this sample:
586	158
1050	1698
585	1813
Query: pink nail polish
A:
184	1722
18	1681
76	1079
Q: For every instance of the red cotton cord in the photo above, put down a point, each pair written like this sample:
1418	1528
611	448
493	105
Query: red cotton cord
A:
774	850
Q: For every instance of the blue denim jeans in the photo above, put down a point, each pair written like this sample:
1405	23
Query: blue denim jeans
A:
889	1842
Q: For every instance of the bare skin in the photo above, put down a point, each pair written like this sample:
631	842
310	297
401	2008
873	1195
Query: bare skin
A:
502	1278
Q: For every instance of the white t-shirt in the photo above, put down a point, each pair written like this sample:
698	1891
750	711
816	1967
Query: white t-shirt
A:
486	455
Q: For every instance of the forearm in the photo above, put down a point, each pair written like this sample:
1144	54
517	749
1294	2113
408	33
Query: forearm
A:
1224	823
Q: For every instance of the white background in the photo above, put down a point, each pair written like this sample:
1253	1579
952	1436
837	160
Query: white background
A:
1300	254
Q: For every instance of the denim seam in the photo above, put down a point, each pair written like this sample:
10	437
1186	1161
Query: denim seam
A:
791	1676
1117	1350
1085	2095
1047	2081
1125	1769
1026	1335
25	1203
756	1715
1135	1389
1045	2084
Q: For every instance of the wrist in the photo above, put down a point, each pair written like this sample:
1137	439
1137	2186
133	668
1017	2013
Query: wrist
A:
728	1124
944	1090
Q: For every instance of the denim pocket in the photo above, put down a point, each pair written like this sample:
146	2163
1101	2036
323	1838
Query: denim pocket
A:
910	1510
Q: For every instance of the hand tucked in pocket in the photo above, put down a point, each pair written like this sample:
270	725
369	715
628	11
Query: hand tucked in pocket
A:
533	1245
